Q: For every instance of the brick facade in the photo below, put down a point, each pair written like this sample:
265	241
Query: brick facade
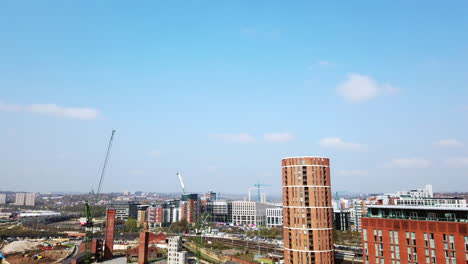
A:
403	241
307	211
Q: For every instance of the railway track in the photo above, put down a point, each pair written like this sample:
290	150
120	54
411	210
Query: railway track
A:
343	254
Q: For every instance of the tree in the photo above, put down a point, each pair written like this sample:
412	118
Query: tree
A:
131	225
181	226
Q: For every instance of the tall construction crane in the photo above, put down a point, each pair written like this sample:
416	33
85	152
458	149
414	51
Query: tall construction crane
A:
181	182
89	214
259	187
199	241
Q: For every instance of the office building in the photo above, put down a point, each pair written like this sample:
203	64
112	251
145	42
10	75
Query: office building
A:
125	209
274	217
2	198
175	255
249	213
218	211
307	211
396	234
342	219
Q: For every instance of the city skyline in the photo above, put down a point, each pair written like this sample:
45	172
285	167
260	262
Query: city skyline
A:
222	92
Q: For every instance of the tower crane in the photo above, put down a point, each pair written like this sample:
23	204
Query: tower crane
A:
199	241
89	214
259	187
181	182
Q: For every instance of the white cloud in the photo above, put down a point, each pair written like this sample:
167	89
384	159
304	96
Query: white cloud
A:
353	172
52	110
278	137
410	163
359	88
235	138
457	162
154	154
338	143
449	143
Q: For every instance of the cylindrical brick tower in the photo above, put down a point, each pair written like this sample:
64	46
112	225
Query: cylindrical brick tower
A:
307	211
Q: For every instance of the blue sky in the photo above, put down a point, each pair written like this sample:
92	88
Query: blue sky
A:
221	91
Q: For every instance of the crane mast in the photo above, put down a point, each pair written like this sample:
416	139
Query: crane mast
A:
89	214
181	182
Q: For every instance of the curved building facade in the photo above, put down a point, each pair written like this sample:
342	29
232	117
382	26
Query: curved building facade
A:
307	211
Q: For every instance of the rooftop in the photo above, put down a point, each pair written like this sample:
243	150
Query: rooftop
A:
420	213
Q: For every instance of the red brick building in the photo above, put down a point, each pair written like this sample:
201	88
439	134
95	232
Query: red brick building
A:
189	210
394	234
307	211
154	215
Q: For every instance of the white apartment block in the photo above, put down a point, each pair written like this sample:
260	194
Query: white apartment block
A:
2	198
28	199
359	210
175	255
274	217
20	198
249	213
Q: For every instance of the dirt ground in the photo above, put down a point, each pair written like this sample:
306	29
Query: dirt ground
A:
49	257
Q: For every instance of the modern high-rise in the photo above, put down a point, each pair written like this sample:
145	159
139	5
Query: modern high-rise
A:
307	211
